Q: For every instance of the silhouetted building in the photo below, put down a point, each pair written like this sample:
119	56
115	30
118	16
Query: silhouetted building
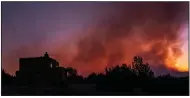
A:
40	70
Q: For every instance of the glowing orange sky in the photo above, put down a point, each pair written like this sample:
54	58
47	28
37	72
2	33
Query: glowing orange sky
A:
182	62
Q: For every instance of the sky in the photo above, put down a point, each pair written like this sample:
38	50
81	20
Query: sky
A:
90	36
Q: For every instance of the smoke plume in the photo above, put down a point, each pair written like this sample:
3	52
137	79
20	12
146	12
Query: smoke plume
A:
147	29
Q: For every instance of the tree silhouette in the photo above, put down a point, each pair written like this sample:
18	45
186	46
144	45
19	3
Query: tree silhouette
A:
6	78
140	68
92	78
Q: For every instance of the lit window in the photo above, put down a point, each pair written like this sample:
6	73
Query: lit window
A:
51	65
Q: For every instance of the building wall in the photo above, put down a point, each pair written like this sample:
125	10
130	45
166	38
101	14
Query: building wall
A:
34	64
40	70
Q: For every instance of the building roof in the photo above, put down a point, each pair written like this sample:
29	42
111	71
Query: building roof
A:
42	57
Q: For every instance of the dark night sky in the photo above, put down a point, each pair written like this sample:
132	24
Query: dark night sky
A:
92	35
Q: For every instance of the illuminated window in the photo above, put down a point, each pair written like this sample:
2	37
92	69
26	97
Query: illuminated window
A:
51	65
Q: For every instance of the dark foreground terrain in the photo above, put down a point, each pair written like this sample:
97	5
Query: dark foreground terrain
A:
137	79
179	87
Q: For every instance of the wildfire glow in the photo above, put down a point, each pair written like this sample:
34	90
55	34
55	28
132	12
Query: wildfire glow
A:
180	63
